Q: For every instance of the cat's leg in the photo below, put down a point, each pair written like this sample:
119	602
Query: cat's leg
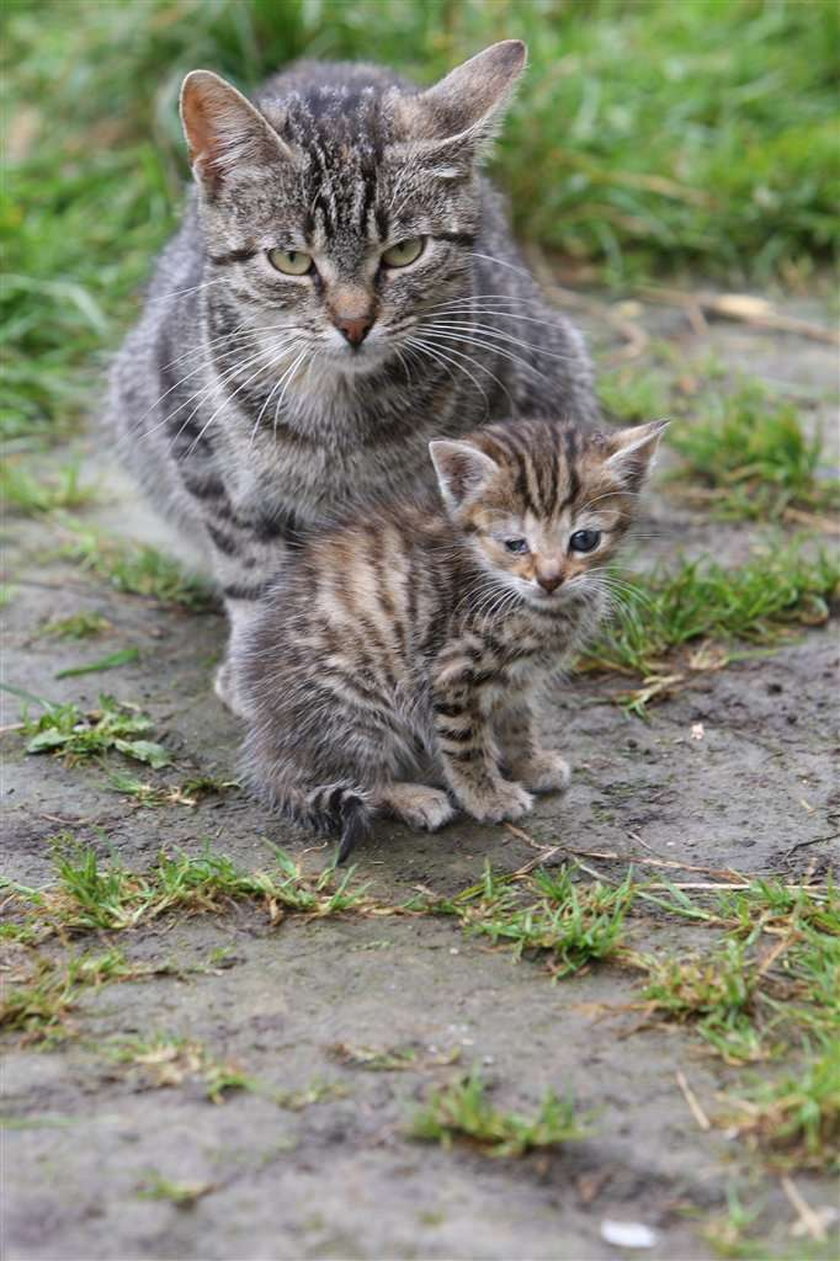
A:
241	615
469	753
539	769
245	566
416	804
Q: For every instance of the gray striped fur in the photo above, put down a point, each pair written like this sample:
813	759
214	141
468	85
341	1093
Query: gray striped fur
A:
240	408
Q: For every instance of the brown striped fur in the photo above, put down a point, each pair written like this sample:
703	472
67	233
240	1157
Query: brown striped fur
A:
396	663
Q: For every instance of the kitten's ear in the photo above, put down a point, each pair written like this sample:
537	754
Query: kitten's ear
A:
467	106
632	451
224	130
461	469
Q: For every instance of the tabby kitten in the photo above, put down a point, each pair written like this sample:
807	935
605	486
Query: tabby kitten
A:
417	640
344	287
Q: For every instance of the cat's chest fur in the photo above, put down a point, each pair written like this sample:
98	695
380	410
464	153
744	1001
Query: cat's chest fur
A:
337	444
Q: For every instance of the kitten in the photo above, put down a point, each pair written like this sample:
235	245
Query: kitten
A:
418	640
344	287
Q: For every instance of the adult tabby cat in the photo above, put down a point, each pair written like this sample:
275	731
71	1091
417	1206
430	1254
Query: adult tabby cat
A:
344	286
416	641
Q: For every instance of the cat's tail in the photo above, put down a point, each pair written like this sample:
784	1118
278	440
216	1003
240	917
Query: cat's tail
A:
342	808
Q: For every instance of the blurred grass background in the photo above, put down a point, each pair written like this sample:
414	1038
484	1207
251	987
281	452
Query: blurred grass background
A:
650	137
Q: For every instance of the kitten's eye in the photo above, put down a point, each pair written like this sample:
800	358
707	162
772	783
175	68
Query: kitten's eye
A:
290	262
585	540
404	252
520	546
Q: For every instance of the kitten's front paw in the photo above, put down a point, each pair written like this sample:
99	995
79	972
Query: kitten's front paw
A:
505	800
545	772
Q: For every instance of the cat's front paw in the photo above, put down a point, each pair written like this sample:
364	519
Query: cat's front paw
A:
224	688
505	800
545	772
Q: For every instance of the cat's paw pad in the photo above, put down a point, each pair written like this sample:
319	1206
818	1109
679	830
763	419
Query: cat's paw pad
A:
505	800
420	806
224	688
546	772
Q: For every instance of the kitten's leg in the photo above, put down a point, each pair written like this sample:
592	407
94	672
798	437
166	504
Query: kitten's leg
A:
541	770
416	804
469	754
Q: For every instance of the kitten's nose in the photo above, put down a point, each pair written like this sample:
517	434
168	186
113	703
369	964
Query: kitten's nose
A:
354	328
550	581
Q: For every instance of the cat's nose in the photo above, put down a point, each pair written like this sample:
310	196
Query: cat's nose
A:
354	328
550	581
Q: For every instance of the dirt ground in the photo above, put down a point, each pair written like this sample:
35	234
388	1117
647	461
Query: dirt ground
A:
339	1177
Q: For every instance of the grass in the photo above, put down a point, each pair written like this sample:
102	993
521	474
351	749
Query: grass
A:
570	925
139	569
165	1060
705	603
772	984
795	1120
38	1005
753	459
77	626
184	1195
90	895
189	793
724	159
30	496
68	732
122	657
463	1112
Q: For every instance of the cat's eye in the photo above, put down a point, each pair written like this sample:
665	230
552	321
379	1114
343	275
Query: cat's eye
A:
585	540
404	252
519	546
290	262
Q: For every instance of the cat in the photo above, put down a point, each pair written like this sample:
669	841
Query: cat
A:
343	287
416	640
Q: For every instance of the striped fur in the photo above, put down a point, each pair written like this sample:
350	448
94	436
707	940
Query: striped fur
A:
413	644
240	406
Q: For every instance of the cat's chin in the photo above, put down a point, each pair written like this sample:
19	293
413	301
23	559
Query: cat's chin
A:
355	363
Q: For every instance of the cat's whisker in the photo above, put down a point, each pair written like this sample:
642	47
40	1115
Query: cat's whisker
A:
505	353
204	365
292	347
228	398
501	262
487	330
462	354
183	293
289	377
439	356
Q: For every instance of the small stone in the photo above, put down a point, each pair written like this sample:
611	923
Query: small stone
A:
628	1234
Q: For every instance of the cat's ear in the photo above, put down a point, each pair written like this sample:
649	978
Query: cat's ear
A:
461	468
224	131
465	109
631	451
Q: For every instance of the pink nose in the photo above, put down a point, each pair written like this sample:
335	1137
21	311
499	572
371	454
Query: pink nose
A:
354	329
549	582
